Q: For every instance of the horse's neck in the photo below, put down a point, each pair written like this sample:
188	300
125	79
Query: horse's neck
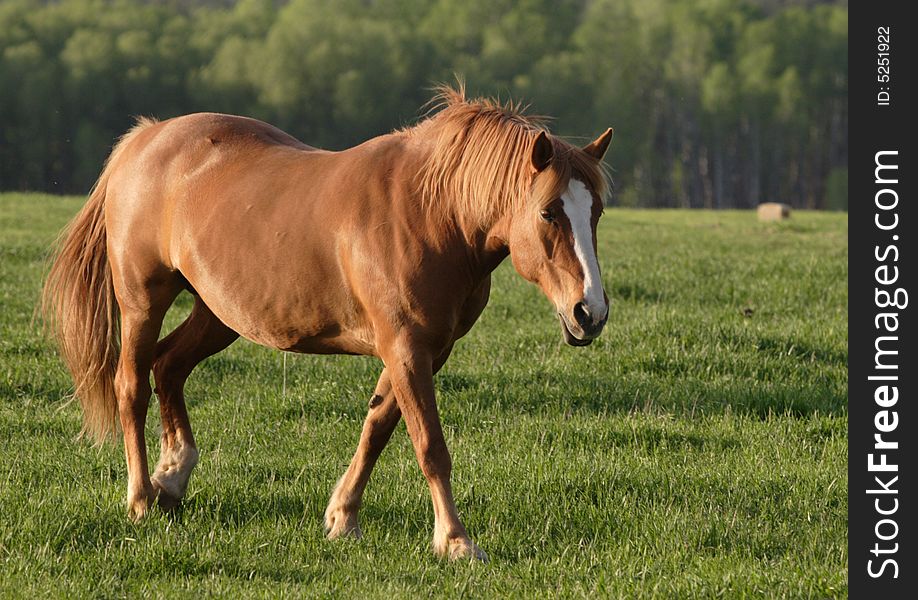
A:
484	249
487	252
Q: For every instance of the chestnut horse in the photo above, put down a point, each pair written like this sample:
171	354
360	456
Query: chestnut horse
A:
384	249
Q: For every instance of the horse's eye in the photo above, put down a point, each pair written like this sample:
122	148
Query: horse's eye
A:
547	215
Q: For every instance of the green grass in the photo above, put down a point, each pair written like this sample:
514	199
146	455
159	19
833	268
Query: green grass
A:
697	449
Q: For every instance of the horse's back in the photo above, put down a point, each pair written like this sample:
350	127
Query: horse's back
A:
218	128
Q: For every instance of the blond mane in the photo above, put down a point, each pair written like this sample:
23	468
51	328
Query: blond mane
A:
479	164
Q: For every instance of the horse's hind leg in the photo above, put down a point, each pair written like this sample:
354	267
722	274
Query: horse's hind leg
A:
384	415
199	336
141	318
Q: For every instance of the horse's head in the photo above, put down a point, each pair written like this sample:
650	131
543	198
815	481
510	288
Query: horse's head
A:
553	236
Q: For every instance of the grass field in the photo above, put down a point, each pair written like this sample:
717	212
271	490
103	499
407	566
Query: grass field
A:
697	449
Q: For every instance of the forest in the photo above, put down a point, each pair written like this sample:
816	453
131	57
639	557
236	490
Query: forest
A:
715	103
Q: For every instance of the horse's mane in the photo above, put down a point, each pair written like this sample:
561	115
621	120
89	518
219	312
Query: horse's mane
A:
478	166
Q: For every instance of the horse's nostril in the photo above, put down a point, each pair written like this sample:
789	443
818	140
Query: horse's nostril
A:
581	314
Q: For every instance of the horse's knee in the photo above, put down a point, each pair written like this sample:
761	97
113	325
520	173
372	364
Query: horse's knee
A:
131	389
435	460
381	421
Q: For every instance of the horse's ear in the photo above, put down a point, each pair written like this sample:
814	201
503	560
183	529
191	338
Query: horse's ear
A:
542	152
597	148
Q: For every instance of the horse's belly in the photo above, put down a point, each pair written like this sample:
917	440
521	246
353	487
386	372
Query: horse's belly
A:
292	326
341	344
281	305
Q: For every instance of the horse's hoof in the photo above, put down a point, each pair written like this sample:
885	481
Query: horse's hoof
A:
341	523
137	511
463	549
170	480
467	549
139	505
165	499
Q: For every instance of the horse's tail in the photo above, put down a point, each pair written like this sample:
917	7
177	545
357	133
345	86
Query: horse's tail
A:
79	308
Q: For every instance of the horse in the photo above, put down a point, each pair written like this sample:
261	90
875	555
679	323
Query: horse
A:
383	249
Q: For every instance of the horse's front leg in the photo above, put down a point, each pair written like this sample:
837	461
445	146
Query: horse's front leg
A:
411	374
341	514
382	417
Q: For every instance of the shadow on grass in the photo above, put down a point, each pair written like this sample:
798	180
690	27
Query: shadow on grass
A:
647	439
235	507
549	393
800	350
47	392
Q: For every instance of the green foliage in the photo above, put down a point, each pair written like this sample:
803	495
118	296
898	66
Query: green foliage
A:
716	103
837	190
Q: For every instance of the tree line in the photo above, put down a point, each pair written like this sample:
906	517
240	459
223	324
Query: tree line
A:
715	103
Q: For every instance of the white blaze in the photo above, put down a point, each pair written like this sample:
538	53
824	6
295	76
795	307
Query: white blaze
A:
578	206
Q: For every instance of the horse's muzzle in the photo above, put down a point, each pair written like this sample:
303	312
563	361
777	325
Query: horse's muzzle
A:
587	335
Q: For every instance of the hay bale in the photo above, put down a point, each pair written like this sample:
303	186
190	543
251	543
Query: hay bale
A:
773	211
